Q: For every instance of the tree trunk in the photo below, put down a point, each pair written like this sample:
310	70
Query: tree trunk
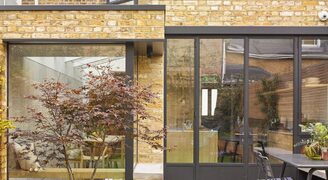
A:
68	166
97	161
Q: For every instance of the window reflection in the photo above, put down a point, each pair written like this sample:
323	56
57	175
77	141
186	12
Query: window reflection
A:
314	80
30	64
271	96
221	76
180	100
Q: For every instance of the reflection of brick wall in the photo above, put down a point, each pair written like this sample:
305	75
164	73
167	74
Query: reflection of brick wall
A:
280	139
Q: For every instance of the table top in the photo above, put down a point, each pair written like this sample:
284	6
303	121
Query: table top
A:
301	161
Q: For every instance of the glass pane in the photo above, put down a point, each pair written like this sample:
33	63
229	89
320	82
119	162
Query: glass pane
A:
66	63
204	102
214	95
221	71
180	100
13	2
271	96
314	82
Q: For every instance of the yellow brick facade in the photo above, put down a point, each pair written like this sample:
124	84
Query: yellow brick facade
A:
77	25
150	25
242	12
82	24
151	73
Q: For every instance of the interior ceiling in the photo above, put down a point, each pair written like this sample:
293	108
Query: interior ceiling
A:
157	47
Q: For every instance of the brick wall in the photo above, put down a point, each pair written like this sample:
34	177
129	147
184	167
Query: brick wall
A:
82	24
242	12
78	25
151	72
230	12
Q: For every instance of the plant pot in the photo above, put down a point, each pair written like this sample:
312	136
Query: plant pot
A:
313	152
324	153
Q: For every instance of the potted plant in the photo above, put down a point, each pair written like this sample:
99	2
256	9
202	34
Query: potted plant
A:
316	146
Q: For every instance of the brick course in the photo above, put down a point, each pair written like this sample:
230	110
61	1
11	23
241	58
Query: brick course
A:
77	25
242	12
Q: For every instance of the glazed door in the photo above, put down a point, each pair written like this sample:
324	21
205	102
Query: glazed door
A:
225	99
204	109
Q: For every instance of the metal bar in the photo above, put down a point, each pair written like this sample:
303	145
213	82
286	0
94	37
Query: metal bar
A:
245	106
179	165
103	7
118	1
245	30
196	106
7	102
165	107
129	137
79	41
137	127
283	169
310	173
297	111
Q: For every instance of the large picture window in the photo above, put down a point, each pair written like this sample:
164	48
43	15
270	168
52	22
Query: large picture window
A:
30	64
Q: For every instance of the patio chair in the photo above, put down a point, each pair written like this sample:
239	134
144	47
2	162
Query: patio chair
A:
264	167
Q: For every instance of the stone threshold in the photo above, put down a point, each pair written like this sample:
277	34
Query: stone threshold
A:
148	171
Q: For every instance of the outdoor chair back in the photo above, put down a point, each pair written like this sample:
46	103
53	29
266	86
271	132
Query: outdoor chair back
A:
265	168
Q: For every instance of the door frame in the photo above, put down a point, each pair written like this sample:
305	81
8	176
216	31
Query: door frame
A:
246	33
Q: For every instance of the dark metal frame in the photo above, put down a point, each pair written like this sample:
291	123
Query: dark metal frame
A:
129	52
247	33
104	7
118	1
129	166
76	41
246	30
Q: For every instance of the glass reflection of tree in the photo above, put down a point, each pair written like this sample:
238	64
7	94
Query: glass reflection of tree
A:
180	84
229	107
268	99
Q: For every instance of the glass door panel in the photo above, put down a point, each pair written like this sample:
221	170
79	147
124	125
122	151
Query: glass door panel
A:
221	101
271	96
180	100
314	80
